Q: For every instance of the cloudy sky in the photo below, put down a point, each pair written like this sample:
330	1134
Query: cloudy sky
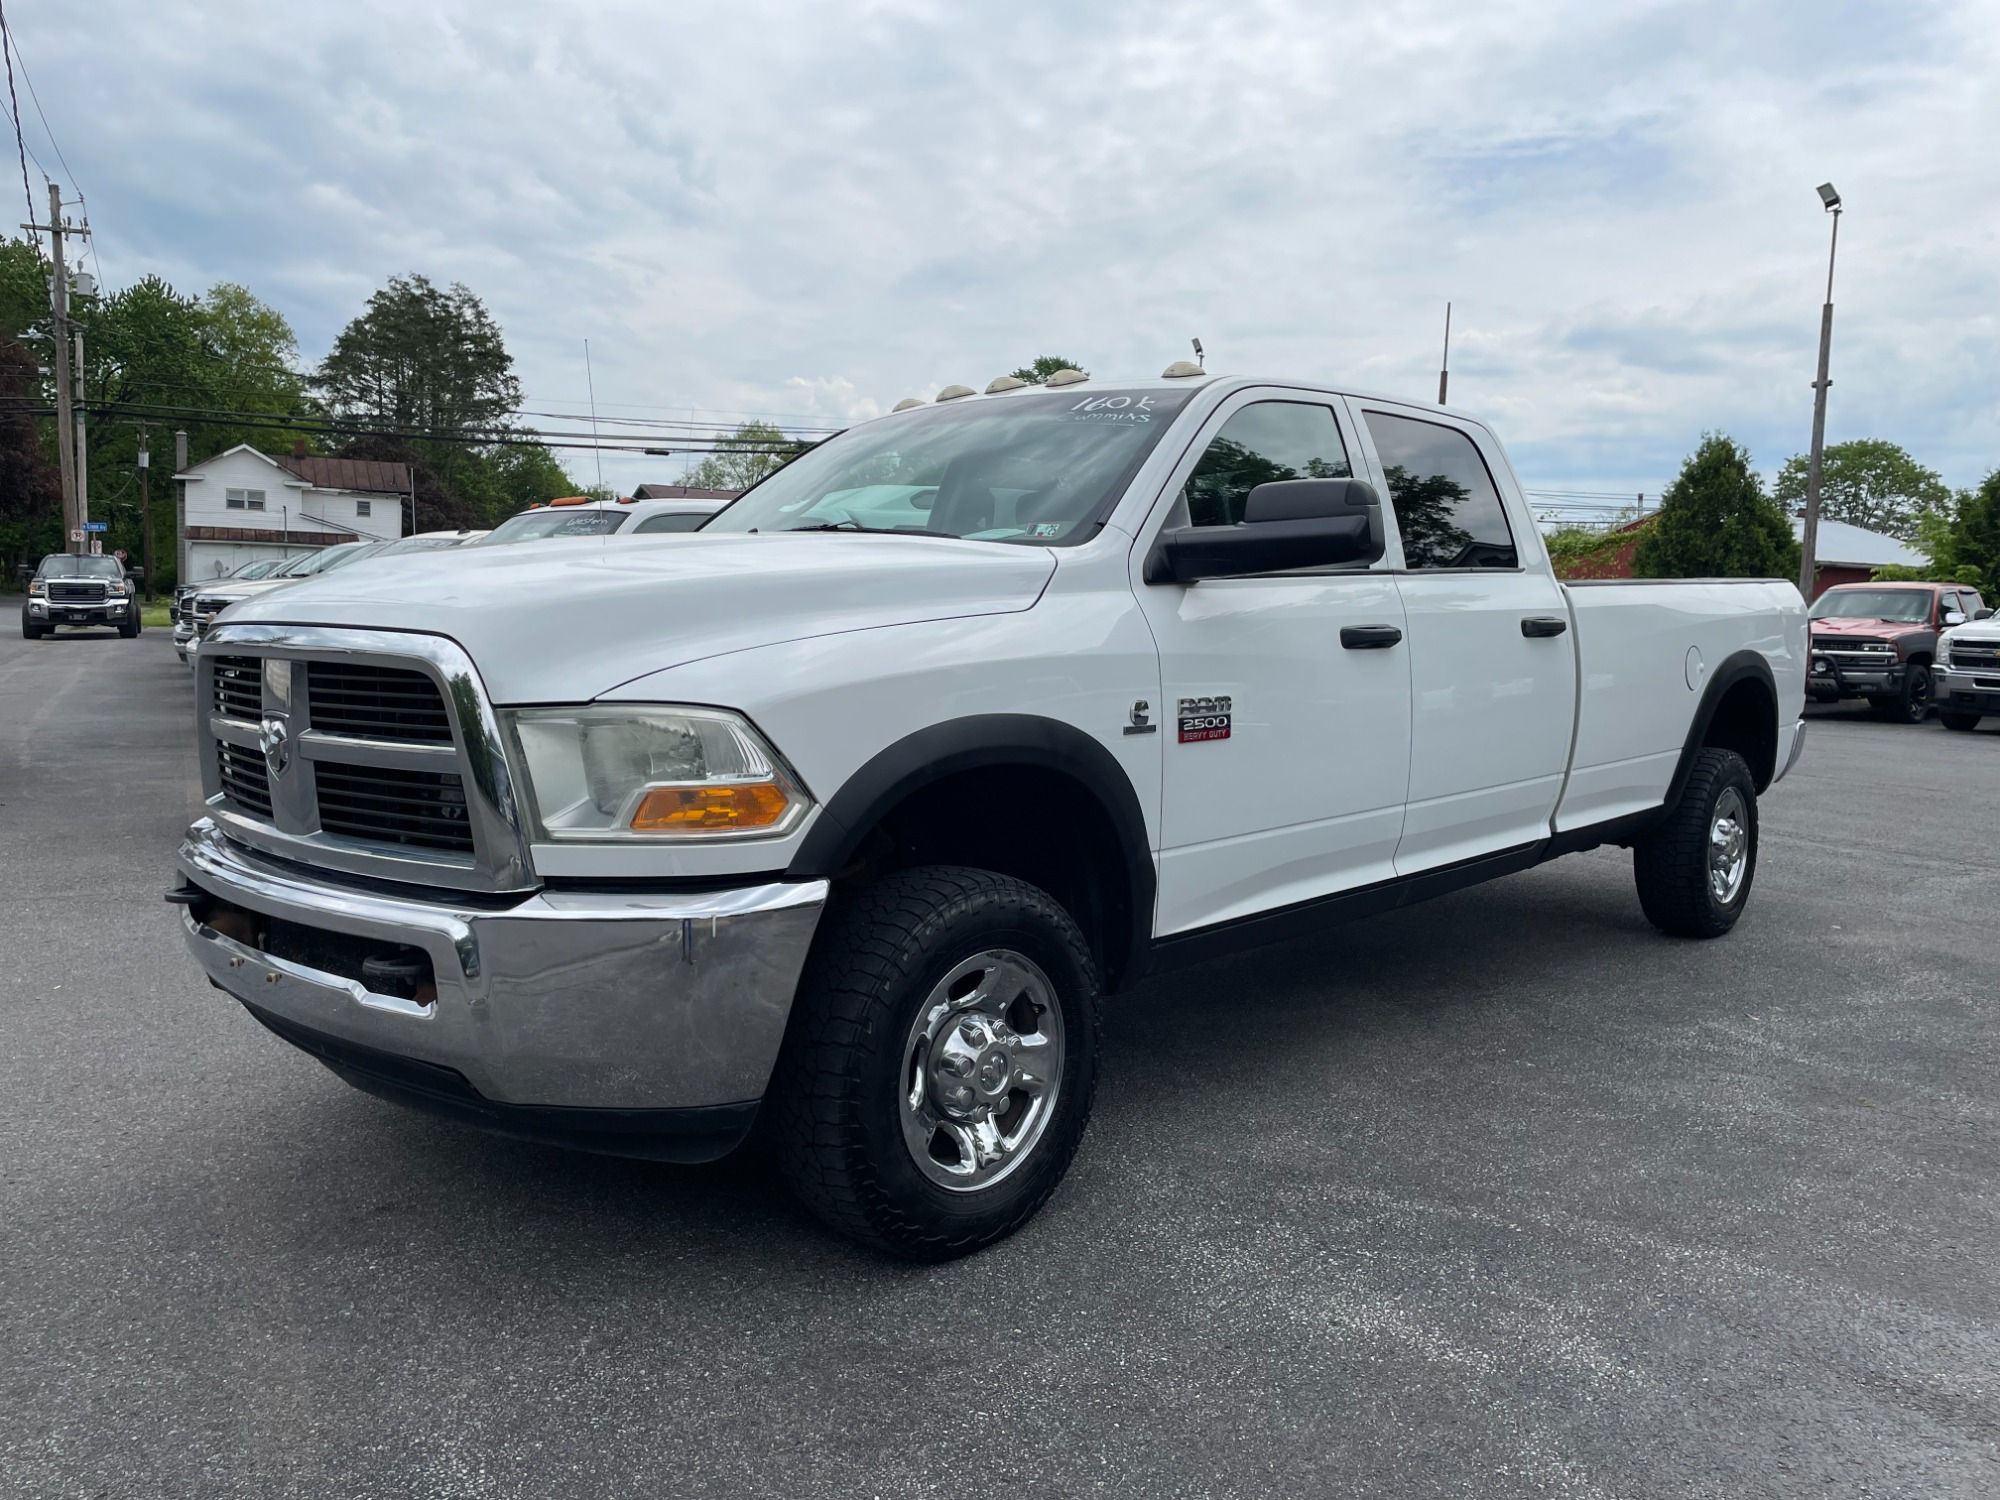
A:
810	211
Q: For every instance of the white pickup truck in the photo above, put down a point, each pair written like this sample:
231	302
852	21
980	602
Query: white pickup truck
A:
842	814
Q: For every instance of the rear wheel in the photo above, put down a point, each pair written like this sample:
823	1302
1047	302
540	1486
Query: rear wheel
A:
1694	870
1958	721
940	1063
1913	703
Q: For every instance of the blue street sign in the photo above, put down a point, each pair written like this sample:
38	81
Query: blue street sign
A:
95	525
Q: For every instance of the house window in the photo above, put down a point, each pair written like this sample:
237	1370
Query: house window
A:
243	499
363	509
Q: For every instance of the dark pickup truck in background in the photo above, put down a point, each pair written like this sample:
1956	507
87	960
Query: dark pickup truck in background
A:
1879	641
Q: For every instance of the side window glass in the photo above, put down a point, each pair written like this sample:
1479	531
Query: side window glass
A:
668	521
1447	506
1262	443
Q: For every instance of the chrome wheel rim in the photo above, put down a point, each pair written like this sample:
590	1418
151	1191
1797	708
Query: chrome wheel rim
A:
1728	847
981	1071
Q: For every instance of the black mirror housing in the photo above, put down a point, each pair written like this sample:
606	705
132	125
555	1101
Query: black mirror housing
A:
1287	525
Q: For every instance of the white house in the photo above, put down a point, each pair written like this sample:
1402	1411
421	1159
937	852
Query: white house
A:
242	505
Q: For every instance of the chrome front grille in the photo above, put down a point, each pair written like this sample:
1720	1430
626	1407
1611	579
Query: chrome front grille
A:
1983	658
376	703
372	752
239	687
244	780
423	809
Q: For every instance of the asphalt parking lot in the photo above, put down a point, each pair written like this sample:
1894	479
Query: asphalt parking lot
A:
1504	1196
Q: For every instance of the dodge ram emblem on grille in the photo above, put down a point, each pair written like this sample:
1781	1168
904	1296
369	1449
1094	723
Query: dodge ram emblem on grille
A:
275	740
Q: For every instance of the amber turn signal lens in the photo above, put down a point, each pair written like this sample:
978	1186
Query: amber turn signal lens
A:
695	809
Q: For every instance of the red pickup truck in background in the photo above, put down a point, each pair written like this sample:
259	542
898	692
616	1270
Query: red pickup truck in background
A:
1879	640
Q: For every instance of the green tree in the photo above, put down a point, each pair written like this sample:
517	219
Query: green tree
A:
743	457
423	361
1041	369
1866	483
1963	539
1715	521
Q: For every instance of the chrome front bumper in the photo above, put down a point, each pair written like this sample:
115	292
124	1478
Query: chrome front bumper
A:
597	1000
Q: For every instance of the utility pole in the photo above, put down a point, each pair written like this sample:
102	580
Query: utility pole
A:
146	510
68	425
180	507
1444	366
82	450
1809	539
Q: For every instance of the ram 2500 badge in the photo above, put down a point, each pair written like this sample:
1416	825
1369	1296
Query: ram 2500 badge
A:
843	814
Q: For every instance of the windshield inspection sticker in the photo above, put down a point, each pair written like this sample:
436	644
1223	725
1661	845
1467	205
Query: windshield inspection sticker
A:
1204	719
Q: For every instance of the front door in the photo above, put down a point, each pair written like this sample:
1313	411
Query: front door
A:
1492	655
1286	752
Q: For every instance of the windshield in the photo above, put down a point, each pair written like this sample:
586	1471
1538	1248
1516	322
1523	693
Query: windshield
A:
421	544
62	565
1904	606
350	552
255	569
1037	467
534	525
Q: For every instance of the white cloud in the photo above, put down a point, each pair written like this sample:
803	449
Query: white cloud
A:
812	211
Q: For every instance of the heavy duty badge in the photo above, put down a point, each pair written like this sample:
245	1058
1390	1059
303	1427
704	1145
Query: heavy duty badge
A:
1204	719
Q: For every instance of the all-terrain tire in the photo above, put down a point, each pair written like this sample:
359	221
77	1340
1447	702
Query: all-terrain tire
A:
1672	864
837	1094
30	631
1954	720
1912	705
130	631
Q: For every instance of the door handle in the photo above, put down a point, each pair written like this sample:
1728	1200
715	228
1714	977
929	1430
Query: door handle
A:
1540	625
1369	637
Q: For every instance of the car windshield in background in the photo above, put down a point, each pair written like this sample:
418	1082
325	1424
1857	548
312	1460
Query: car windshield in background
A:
536	525
419	544
1904	606
1036	467
64	566
255	569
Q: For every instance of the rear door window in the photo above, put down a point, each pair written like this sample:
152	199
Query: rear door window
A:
1447	507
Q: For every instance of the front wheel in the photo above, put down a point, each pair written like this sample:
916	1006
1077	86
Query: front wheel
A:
30	629
1958	721
1913	703
1694	870
940	1064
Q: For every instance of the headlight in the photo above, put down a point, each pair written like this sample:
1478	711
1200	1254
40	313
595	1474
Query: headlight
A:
1944	649
37	588
645	774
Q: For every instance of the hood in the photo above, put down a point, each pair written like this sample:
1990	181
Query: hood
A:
1873	629
223	588
562	621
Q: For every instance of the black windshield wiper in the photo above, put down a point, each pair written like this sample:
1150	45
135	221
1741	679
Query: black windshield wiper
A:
871	530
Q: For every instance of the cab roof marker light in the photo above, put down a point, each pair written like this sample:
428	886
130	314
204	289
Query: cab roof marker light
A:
1181	369
571	500
955	393
1005	383
1066	377
906	403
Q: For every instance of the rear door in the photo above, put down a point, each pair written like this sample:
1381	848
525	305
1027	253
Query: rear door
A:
1285	751
1492	659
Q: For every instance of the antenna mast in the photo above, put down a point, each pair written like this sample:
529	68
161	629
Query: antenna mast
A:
1444	367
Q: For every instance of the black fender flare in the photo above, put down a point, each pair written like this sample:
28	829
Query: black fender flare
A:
980	740
1732	670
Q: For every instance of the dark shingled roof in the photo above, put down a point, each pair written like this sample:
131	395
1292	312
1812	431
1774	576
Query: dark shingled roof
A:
364	474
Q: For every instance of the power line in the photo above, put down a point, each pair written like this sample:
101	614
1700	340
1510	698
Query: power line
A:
30	82
20	139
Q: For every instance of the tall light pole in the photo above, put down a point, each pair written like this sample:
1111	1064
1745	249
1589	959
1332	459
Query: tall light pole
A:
1809	541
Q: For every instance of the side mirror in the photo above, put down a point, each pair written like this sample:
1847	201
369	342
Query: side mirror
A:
1982	614
1287	525
1953	617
